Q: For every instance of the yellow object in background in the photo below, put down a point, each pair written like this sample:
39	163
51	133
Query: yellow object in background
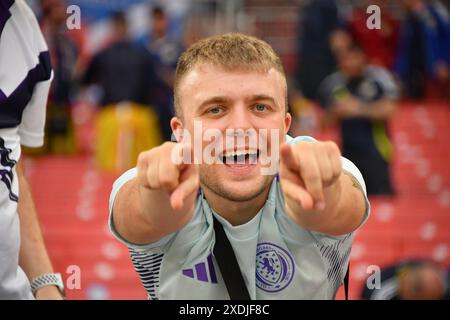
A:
122	131
59	137
381	139
305	114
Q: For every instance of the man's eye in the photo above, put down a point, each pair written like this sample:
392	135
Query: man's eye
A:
215	110
260	107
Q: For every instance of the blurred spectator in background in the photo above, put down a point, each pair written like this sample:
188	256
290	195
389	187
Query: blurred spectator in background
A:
361	98
424	47
340	41
126	124
315	60
410	280
319	35
165	51
379	45
65	55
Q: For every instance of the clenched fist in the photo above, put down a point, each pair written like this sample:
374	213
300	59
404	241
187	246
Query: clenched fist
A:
162	168
307	170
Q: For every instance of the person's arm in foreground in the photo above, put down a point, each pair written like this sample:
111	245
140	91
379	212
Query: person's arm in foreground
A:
33	257
160	200
318	194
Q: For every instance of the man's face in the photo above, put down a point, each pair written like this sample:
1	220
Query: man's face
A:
421	283
159	25
230	103
352	63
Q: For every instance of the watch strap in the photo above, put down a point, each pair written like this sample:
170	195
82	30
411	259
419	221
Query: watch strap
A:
48	279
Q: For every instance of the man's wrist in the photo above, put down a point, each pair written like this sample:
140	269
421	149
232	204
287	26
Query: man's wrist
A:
47	280
50	292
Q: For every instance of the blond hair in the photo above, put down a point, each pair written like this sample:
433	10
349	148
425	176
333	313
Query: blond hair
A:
231	51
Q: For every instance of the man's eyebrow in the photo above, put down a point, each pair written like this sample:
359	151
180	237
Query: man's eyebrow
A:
227	100
259	97
213	100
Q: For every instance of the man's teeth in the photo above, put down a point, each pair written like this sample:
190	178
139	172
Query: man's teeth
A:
240	157
239	153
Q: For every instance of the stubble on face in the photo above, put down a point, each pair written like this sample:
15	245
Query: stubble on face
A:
211	181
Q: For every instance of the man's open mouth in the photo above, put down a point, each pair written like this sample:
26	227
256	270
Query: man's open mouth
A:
240	157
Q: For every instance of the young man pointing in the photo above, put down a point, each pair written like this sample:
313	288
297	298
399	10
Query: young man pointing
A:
291	229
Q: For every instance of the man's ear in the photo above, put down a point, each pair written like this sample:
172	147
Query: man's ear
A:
177	128
287	122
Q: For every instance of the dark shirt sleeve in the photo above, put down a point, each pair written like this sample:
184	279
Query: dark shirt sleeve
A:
329	89
386	82
93	70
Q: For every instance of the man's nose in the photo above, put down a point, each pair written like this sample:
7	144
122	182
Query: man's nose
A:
240	128
240	118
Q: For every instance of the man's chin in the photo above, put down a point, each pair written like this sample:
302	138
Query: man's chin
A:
240	172
244	190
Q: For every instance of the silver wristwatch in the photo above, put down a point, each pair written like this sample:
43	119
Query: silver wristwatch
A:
49	279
